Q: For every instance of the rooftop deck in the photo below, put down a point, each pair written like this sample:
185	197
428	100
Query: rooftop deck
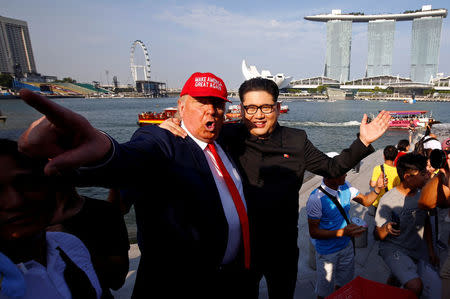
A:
366	18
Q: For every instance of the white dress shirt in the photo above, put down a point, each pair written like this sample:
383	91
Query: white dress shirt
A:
234	226
48	282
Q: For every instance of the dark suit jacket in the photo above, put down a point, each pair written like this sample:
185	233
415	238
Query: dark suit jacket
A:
272	171
178	208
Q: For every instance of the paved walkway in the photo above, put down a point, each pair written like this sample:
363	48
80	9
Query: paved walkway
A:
368	264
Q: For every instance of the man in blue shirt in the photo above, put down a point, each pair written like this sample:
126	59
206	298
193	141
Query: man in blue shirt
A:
335	253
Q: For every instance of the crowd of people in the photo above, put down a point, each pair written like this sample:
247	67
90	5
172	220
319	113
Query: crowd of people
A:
230	218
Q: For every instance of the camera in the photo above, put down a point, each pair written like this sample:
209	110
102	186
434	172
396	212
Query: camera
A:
395	218
438	158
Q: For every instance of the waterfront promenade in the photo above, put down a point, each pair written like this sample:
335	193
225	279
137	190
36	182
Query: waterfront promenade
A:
368	264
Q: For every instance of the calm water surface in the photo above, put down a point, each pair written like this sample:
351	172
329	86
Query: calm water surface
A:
331	126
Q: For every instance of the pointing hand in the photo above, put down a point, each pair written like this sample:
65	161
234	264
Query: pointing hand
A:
63	136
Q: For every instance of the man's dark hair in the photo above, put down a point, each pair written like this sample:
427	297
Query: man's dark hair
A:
9	148
390	152
410	161
259	84
402	145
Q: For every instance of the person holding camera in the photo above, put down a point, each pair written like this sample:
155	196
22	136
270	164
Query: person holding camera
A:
328	209
436	193
402	227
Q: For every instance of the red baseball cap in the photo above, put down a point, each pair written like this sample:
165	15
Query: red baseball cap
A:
205	85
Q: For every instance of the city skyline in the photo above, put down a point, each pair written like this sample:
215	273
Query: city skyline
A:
85	39
425	42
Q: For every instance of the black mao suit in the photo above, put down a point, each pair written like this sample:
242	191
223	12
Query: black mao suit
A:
272	171
179	215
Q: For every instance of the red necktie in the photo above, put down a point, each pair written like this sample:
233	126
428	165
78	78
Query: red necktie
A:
240	208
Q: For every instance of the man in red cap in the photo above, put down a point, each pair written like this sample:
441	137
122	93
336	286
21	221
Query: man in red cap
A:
190	207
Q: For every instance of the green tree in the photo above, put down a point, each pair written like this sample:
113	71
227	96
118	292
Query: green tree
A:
429	91
321	88
6	80
66	80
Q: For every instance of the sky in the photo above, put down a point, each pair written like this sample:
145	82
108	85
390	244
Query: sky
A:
90	40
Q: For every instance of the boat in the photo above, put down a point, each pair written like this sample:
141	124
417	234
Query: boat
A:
403	119
154	118
284	109
233	114
410	101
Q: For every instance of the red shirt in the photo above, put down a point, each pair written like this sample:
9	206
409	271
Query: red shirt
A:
398	156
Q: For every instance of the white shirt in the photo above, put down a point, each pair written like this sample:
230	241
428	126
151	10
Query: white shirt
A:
234	226
48	282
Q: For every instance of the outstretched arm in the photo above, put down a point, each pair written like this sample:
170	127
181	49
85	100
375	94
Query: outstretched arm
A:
351	230
63	136
368	199
437	191
369	132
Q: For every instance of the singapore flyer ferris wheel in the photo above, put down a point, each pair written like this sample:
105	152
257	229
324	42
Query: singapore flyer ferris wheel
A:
134	67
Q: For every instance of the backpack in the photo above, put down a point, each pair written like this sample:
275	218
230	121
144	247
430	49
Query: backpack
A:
419	146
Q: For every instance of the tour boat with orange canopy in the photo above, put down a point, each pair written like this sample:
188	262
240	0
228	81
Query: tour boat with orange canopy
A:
153	118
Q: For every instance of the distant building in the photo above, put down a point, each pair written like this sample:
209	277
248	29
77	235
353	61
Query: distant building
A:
441	82
252	72
314	82
339	38
380	35
151	88
16	53
425	41
382	82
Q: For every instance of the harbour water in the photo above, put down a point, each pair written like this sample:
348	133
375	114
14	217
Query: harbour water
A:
331	126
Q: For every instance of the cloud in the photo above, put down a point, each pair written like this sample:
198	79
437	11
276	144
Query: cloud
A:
218	21
271	42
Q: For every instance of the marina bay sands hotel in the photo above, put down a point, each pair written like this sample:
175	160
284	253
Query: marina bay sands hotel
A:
425	42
